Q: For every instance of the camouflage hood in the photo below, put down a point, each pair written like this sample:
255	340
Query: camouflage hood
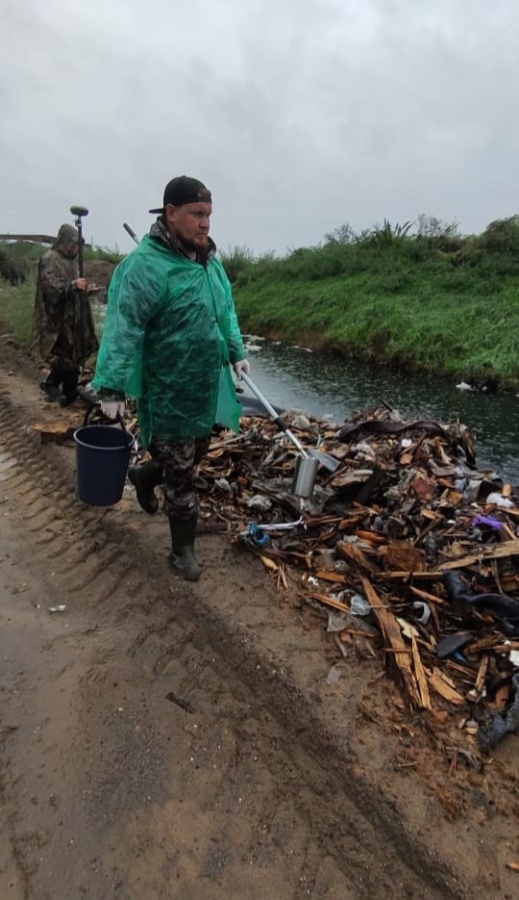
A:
67	237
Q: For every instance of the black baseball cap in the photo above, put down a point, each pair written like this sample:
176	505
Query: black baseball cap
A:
183	190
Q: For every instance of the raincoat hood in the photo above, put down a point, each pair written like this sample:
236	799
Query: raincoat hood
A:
66	239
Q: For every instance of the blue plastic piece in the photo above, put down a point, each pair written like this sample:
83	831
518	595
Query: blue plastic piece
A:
257	535
254	536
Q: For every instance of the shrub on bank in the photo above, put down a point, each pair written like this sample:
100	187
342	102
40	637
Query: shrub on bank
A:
431	300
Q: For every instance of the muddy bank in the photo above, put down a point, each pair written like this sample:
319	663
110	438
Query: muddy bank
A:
334	756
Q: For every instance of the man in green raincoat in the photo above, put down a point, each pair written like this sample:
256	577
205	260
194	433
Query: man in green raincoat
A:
170	339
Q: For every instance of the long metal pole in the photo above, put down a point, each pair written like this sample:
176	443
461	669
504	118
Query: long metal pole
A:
79	212
274	416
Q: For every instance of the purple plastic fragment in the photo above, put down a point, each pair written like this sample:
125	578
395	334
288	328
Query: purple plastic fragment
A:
487	520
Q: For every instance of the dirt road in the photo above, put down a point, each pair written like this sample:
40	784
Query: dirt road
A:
130	768
146	752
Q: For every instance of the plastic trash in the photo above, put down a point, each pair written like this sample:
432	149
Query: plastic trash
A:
282	526
223	484
423	611
337	621
488	521
334	675
501	724
263	504
253	536
359	606
301	422
498	500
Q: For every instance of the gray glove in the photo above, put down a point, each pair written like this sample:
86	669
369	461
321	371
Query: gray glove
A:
112	408
243	365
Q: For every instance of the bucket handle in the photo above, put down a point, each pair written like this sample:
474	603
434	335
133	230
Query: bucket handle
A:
123	426
120	422
118	417
88	414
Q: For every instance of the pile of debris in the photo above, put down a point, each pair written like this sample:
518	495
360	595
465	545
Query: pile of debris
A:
408	550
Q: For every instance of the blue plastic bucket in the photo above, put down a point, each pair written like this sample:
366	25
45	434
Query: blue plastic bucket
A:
102	458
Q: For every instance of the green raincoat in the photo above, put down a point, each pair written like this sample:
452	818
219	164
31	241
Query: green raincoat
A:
170	337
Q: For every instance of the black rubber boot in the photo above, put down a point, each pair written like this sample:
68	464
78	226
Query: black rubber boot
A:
144	479
53	392
53	382
70	383
182	558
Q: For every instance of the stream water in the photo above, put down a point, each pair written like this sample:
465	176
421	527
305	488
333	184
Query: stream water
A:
323	384
295	377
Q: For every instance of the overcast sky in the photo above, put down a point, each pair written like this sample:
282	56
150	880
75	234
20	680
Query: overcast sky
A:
298	114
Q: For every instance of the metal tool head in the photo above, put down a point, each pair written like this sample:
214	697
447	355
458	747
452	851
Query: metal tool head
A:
330	463
79	211
305	473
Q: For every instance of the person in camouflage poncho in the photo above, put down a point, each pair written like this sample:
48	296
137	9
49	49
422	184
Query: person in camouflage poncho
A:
63	327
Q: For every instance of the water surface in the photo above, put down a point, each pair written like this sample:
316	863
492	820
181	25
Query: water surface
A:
325	384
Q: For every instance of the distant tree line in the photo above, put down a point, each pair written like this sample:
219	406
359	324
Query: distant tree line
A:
347	252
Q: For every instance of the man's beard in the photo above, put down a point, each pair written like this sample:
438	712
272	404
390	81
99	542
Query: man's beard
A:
199	243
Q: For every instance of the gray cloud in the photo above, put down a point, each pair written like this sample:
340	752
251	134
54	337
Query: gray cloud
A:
300	114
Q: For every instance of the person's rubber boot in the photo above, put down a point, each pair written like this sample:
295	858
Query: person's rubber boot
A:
67	400
53	392
70	383
144	479
182	558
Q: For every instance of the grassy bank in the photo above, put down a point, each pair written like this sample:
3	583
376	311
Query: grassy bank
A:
416	296
16	310
18	272
436	302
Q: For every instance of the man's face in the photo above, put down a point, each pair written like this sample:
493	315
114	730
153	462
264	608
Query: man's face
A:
74	250
189	223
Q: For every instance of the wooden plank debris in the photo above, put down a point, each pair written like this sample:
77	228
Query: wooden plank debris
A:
59	431
496	551
393	635
378	539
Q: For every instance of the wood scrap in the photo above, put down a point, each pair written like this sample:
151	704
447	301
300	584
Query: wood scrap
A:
393	635
421	680
386	527
59	431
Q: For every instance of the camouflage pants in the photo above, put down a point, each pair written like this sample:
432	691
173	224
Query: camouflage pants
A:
179	460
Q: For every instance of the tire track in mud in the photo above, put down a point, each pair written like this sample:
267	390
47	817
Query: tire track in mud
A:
238	805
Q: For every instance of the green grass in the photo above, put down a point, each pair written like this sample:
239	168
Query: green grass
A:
103	253
17	302
472	335
434	302
443	304
16	309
